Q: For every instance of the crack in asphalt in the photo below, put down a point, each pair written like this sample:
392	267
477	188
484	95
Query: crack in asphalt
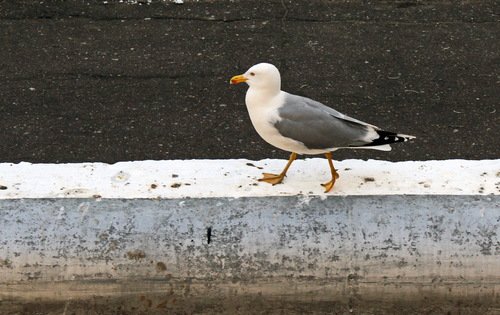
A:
72	75
236	20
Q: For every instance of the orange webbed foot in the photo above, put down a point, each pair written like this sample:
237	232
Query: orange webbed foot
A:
272	178
329	185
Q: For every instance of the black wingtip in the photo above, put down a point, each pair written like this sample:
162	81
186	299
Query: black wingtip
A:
387	137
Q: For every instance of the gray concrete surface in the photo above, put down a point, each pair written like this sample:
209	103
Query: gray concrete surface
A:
290	255
82	80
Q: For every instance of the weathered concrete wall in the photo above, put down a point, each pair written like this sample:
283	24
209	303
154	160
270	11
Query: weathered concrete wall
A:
358	253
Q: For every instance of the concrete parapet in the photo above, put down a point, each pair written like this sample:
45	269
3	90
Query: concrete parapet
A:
366	253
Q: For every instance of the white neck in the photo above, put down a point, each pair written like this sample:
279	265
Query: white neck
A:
259	96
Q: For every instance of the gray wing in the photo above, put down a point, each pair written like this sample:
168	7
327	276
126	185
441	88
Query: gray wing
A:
318	126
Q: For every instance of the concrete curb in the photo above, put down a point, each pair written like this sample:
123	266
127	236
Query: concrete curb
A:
347	250
174	179
230	246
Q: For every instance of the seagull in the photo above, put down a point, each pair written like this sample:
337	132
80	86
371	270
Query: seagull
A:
301	125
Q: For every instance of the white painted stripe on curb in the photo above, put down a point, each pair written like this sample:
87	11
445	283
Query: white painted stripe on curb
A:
238	178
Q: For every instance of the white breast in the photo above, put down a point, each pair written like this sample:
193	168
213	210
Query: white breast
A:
263	113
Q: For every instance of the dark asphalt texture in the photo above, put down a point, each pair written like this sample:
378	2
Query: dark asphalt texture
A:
90	81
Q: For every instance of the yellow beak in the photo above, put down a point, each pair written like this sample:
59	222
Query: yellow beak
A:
238	79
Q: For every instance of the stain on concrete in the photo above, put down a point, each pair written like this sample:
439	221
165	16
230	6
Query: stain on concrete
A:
5	263
253	165
436	227
120	177
343	303
84	192
146	301
487	240
163	304
136	254
160	266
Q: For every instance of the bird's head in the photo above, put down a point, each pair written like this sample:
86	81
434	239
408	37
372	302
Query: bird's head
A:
261	76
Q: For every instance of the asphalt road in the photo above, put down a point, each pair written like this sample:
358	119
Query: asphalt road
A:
109	81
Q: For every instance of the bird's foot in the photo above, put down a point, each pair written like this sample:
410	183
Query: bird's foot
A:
272	178
329	185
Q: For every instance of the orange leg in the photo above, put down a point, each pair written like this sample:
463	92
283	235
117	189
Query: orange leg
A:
329	185
278	178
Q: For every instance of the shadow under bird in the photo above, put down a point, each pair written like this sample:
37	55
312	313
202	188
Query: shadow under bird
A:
303	126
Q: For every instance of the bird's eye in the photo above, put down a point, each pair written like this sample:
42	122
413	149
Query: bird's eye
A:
252	74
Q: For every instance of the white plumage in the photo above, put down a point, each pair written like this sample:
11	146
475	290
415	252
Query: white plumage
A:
301	125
